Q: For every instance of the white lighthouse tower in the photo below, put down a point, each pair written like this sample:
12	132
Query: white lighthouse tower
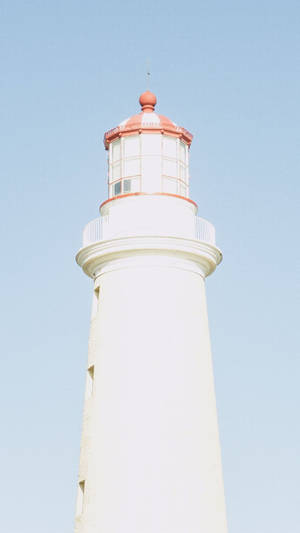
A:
150	455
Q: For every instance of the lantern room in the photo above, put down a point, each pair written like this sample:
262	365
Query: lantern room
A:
148	153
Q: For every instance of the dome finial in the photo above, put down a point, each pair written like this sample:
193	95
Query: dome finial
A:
148	101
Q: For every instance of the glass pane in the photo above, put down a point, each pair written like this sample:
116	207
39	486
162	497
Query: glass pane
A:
135	184
182	151
131	167
132	145
151	144
116	150
183	190
126	185
110	172
182	172
170	146
170	168
170	185
116	171
117	188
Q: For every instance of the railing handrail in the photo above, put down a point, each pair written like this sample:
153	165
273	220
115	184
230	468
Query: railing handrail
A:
204	231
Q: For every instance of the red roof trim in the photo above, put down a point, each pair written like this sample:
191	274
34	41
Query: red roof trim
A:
131	128
148	194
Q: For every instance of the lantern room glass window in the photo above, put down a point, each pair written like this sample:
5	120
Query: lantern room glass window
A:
175	165
170	146
151	144
182	172
182	151
131	167
170	185
131	146
116	150
151	162
116	171
170	168
124	165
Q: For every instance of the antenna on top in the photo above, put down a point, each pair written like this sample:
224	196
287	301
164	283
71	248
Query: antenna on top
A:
148	74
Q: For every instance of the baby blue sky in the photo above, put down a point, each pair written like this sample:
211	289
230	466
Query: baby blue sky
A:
229	73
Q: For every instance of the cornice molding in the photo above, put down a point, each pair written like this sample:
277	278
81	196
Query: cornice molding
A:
109	255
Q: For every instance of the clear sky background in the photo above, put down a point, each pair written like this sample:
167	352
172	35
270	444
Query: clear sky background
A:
228	72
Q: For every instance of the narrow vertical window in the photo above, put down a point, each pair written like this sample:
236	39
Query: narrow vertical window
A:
116	171
96	292
116	150
80	497
95	302
90	380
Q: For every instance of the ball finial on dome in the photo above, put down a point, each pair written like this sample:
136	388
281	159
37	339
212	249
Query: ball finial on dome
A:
148	101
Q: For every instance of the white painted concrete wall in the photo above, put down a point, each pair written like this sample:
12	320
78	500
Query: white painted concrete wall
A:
149	215
150	454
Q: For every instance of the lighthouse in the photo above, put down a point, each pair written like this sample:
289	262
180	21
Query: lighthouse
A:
150	458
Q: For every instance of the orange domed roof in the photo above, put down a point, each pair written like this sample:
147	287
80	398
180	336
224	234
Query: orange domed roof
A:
147	121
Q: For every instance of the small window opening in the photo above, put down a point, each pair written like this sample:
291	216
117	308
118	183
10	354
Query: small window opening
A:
117	188
122	187
127	186
80	497
90	380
